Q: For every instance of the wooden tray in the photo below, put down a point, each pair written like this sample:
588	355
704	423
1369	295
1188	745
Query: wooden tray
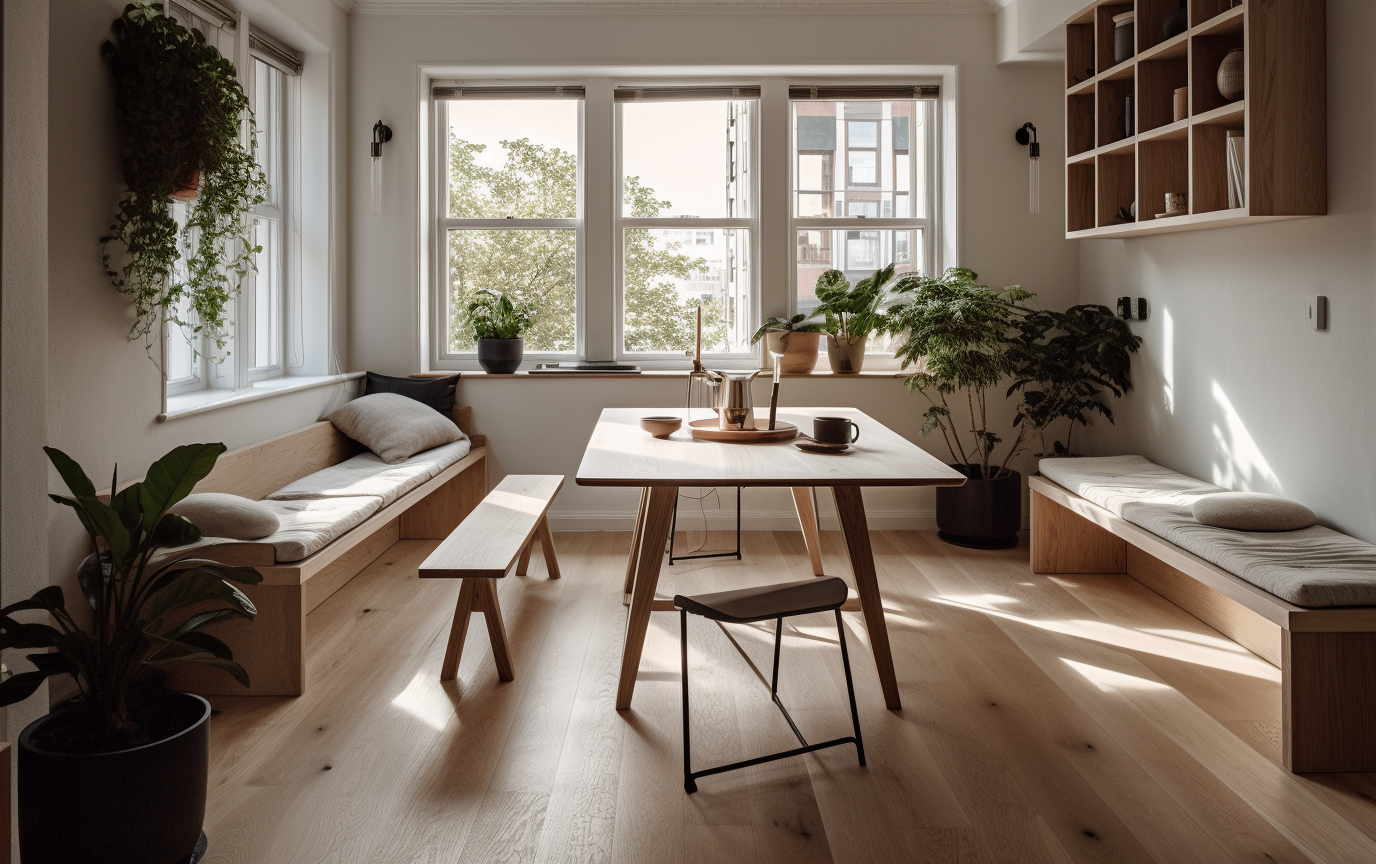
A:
708	430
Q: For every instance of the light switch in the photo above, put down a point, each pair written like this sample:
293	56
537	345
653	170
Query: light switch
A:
1316	313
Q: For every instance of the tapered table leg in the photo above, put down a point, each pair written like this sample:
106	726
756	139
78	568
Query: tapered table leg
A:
850	511
805	502
659	511
635	546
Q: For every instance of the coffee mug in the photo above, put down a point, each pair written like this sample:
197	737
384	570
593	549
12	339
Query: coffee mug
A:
835	430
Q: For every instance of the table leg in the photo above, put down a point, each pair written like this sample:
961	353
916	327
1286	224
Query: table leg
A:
805	502
635	546
659	511
850	511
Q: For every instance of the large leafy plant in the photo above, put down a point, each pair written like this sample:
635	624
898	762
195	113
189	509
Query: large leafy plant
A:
852	312
1063	363
135	591
180	110
494	315
958	342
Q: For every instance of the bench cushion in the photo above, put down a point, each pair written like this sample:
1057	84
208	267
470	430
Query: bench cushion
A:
1314	566
307	525
367	474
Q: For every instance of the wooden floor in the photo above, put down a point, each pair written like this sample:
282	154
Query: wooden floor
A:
1057	719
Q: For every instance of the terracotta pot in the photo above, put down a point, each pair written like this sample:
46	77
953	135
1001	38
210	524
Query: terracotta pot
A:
799	349
187	187
846	357
1232	76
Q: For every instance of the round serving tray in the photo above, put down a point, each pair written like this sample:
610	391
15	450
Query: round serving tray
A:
708	430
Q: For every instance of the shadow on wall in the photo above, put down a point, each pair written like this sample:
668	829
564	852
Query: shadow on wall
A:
1238	462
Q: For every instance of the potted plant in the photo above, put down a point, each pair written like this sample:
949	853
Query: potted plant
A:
179	107
497	322
120	774
798	339
958	340
852	314
1063	364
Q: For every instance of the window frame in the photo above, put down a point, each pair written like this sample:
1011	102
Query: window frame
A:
440	355
277	209
621	222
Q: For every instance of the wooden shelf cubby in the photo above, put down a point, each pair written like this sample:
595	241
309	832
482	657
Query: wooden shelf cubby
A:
1282	116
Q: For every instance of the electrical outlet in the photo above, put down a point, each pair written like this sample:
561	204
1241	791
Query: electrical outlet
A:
1316	312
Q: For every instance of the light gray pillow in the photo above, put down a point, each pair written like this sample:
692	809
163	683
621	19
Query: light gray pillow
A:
394	426
1251	511
218	514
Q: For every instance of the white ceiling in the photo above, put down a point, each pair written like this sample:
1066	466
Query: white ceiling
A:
742	7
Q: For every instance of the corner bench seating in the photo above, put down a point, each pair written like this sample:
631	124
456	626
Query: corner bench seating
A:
1327	655
272	647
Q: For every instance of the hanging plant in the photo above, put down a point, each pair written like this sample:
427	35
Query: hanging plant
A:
180	110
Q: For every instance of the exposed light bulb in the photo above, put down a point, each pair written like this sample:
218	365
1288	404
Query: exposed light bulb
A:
1034	185
377	185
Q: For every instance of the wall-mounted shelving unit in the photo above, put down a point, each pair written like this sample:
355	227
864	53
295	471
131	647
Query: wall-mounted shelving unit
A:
1282	116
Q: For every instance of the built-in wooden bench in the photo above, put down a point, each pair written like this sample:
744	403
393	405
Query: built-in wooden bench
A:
1327	656
271	648
501	531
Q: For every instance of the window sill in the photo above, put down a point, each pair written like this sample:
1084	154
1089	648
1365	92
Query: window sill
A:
668	373
201	401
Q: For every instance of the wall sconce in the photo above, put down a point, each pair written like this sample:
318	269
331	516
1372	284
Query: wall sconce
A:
1027	136
381	135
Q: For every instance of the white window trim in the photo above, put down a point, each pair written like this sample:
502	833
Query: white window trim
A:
775	239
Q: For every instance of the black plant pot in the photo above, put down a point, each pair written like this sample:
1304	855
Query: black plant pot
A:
144	805
501	356
982	514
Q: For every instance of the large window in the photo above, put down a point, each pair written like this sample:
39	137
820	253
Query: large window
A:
686	219
863	172
511	209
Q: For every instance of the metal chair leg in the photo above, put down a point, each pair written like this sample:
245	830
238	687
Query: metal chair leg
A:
689	784
850	688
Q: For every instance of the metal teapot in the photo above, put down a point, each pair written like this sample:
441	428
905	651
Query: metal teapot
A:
732	399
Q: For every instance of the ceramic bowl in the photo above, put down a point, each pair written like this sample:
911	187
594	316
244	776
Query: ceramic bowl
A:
661	427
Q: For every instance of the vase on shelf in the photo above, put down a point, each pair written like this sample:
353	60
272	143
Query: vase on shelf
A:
1177	23
1232	76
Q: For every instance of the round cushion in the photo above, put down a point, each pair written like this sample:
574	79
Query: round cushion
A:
1252	511
218	514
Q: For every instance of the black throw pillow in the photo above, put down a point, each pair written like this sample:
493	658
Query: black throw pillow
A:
438	393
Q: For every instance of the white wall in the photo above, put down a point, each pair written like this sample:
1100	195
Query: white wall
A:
542	426
1231	386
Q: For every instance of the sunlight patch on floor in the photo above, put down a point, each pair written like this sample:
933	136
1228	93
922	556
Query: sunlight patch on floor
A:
426	701
1109	681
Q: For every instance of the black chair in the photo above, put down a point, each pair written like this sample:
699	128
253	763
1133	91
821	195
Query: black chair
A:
746	606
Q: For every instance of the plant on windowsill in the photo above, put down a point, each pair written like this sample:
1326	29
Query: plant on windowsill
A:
1064	362
179	107
498	323
797	339
852	314
126	746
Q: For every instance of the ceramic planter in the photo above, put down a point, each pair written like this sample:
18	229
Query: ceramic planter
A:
982	514
501	356
187	187
144	805
799	349
848	356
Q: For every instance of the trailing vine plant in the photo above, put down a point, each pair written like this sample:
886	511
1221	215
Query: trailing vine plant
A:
181	111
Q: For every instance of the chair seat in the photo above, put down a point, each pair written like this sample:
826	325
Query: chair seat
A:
763	602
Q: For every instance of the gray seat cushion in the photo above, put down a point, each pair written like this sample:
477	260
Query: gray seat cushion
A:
307	525
367	474
1314	566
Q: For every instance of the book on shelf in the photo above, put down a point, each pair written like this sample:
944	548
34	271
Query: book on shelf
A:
1237	169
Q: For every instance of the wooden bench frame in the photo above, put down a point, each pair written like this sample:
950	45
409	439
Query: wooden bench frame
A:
272	646
1327	656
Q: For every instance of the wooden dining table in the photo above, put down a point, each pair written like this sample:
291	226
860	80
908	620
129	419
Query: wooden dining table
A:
620	453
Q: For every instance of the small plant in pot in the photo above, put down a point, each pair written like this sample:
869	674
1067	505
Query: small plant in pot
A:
798	339
120	774
852	315
958	340
497	322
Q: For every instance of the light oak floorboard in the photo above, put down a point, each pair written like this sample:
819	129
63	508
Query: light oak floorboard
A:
1061	719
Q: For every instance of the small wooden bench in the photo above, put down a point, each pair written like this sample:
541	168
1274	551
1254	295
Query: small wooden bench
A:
500	531
1327	656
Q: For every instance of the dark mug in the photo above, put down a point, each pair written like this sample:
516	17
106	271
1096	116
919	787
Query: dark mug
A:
835	430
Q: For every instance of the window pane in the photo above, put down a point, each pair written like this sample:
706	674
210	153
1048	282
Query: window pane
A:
531	265
267	295
863	144
516	158
267	116
181	357
856	253
669	271
686	158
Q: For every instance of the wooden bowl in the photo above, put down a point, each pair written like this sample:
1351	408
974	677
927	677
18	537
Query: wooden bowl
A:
661	427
